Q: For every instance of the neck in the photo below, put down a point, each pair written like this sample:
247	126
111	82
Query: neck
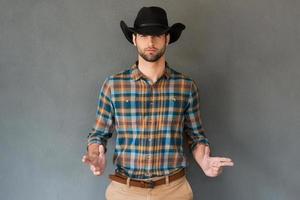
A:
152	70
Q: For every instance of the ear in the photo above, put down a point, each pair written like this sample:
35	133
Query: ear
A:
133	39
167	39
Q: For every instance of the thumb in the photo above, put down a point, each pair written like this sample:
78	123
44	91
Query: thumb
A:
101	149
207	151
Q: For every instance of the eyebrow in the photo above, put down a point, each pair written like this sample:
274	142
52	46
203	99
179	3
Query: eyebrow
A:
151	35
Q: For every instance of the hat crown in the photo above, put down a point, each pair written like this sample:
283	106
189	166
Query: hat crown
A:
152	21
151	16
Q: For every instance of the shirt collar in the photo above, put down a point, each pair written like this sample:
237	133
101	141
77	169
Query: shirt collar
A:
136	74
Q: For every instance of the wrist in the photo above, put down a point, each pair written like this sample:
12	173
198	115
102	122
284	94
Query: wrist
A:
199	154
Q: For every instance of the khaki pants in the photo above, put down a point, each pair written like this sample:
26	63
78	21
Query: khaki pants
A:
176	190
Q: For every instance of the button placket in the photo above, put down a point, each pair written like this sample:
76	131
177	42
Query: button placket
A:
148	173
150	104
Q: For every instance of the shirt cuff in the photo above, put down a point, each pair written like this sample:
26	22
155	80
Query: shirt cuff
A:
202	141
97	140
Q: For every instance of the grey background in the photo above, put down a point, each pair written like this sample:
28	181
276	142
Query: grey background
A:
243	54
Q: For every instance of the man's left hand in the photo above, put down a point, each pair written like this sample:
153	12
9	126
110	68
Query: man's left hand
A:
211	166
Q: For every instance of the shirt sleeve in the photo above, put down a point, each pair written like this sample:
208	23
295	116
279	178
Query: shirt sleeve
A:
192	121
104	125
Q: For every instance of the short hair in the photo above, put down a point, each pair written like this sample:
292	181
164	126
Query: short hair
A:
134	33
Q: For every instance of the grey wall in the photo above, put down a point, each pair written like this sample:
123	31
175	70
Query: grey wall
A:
243	54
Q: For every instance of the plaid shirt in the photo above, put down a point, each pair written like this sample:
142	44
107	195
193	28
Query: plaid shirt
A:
149	120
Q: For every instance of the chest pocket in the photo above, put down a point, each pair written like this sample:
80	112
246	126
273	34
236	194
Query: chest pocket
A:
177	104
173	107
127	110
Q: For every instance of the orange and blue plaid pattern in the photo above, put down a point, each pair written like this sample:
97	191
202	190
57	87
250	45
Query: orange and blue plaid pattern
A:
149	120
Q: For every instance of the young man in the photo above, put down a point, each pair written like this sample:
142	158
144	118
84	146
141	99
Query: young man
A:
151	107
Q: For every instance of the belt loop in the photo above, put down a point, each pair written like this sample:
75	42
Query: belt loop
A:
167	180
128	182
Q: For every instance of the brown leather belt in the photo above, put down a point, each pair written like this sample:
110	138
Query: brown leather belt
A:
146	184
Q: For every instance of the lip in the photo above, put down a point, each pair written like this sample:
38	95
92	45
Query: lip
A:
151	50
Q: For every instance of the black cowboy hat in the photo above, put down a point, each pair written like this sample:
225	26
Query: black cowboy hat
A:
152	21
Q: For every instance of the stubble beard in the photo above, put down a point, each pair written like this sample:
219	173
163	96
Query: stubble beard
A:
152	57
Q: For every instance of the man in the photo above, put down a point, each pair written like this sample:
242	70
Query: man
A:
151	107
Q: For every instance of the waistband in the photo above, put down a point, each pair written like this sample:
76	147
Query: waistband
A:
146	184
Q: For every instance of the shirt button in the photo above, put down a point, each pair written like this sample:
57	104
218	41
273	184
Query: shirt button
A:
148	174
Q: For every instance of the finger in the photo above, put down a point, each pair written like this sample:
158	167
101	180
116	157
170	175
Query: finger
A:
221	159
223	164
86	160
217	171
226	164
97	173
93	159
83	159
93	168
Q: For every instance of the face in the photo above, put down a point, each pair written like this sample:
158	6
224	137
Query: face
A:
151	47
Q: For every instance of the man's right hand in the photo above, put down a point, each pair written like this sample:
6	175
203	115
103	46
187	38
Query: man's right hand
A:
95	158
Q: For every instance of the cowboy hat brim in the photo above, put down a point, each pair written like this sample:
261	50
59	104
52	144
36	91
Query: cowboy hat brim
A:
174	31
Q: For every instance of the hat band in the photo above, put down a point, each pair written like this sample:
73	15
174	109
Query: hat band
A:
152	24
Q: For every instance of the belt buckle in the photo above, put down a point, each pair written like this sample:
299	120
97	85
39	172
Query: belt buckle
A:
148	184
151	184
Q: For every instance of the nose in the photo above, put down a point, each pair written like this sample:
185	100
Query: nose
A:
150	40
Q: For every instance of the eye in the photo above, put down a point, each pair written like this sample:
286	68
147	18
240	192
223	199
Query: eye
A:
161	35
